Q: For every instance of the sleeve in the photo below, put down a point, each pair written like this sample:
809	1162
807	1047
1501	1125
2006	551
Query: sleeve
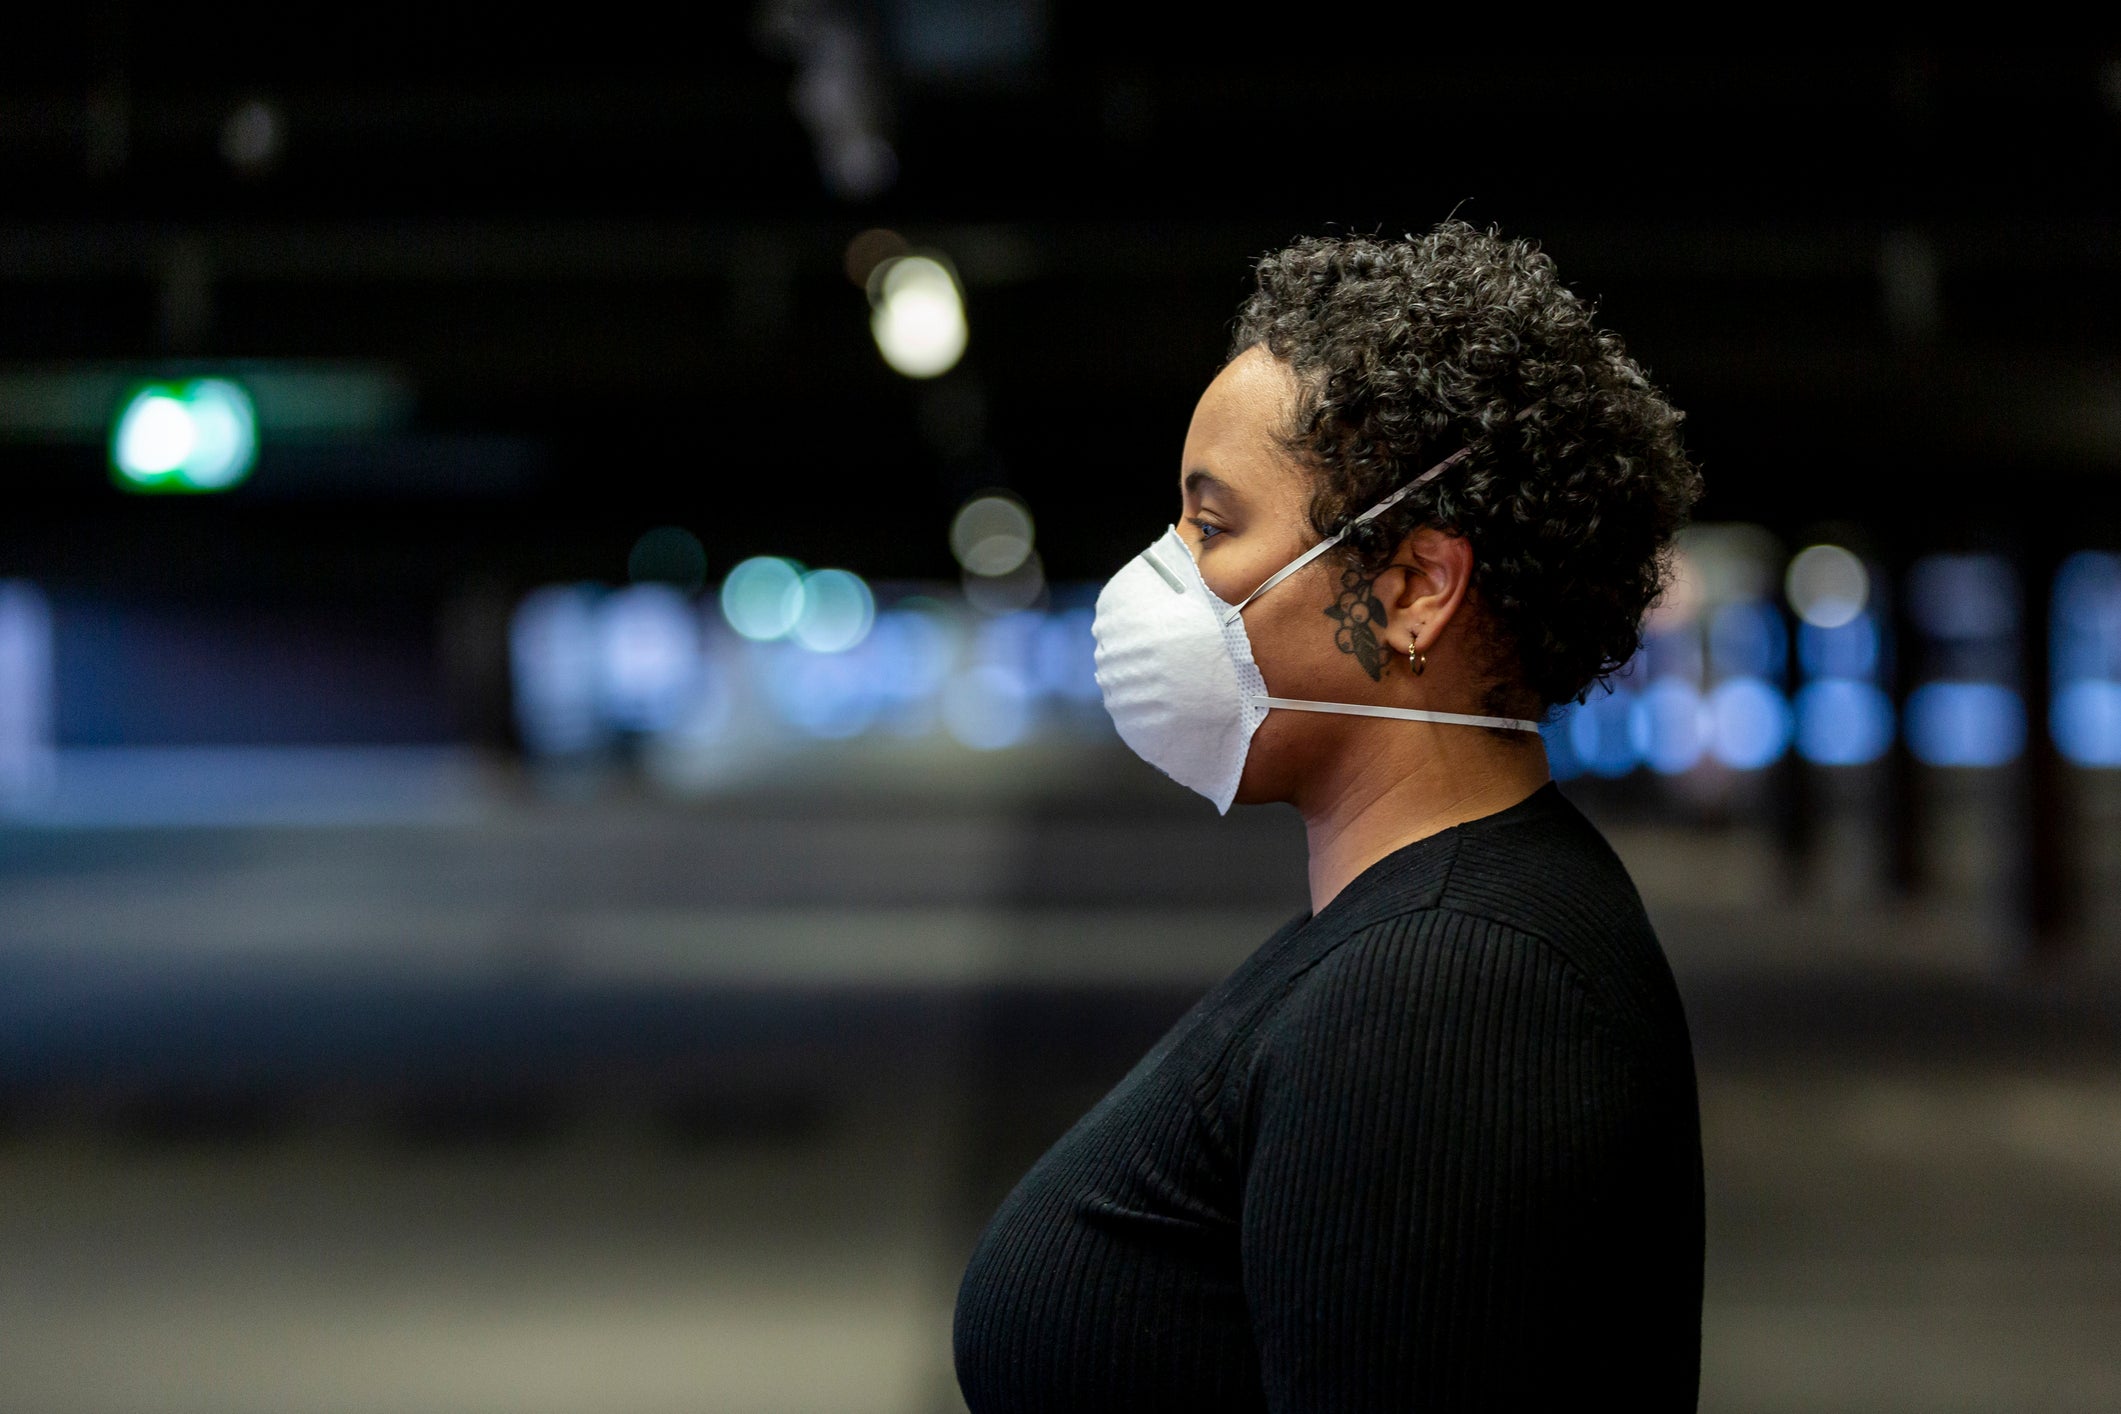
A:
1430	1114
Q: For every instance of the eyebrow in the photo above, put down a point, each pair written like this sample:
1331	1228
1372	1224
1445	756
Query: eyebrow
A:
1199	479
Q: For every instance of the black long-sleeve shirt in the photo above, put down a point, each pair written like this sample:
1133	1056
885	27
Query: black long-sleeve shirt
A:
1435	1148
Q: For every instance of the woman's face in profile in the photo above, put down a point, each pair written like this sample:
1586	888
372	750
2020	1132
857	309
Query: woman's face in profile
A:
1243	511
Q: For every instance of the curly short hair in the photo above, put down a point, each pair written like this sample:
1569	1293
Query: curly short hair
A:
1576	482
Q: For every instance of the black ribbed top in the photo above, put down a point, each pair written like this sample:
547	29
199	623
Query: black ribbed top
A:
1435	1148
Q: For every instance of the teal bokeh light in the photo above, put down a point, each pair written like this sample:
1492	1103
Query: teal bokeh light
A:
196	435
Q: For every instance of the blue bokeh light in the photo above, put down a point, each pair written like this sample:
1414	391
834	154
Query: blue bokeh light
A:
911	651
2086	721
1668	726
1842	722
1602	736
648	656
1063	657
1749	723
1007	639
1963	597
826	695
553	667
2085	618
1675	653
1965	724
1850	651
987	706
1747	640
1562	764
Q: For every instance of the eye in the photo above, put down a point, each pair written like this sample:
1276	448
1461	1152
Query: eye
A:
1208	530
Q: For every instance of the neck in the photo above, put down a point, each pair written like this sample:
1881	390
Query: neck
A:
1387	798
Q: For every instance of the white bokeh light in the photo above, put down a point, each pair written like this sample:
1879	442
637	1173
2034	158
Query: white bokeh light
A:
1006	593
155	437
1827	585
224	435
991	534
919	318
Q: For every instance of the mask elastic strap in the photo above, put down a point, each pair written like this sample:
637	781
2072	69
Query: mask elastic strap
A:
1335	538
1405	714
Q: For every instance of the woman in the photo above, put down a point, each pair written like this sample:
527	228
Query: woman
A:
1434	1145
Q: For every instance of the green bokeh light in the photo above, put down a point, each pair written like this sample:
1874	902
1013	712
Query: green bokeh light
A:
196	435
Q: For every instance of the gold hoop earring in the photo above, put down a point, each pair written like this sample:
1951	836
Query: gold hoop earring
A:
1417	661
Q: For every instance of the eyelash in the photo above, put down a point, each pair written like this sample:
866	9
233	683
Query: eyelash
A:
1208	532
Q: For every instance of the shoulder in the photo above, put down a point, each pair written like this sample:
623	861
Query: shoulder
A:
1414	1000
1449	1029
1547	871
1428	964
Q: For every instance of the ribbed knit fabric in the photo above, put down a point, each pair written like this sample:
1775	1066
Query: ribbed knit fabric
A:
1436	1148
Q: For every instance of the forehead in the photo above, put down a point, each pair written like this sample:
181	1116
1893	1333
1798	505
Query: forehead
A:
1234	435
1241	410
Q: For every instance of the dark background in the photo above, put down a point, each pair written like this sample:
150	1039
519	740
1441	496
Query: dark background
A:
603	259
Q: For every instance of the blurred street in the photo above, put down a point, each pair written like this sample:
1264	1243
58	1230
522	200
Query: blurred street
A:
569	1107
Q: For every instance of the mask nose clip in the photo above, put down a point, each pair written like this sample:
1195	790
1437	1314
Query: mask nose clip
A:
1163	571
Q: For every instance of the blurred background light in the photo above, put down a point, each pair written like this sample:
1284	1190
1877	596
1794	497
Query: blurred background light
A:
912	650
27	759
2085	617
831	696
1020	588
251	136
2084	644
200	435
1747	640
1675	652
837	611
991	534
1963	596
1668	726
1826	585
555	671
763	597
1843	722
987	706
1684	597
1965	724
918	318
1602	733
1725	562
668	554
2086	721
1849	650
648	656
1749	723
1558	733
1006	639
1063	662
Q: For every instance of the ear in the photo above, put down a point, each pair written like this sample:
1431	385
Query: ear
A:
1423	587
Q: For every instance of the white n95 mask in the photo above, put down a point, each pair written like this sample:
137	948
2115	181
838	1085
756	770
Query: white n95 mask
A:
1176	668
